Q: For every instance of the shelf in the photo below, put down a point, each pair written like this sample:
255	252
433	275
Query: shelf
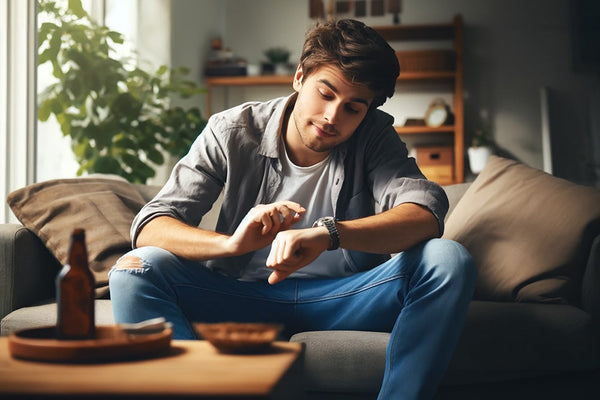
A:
287	79
417	32
428	65
426	75
423	130
249	80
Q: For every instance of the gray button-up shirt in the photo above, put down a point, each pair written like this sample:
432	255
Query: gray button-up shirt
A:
238	153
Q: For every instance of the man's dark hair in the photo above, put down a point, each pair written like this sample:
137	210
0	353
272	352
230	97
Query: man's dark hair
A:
358	51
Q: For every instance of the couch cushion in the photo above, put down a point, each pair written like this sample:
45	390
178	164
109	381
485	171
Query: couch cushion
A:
343	361
501	341
505	341
528	231
103	207
45	315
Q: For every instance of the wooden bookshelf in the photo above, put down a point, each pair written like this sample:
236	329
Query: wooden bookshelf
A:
452	32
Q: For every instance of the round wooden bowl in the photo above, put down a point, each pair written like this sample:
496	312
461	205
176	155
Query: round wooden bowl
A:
235	337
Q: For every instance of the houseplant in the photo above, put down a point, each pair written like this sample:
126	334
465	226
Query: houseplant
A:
120	117
278	60
480	150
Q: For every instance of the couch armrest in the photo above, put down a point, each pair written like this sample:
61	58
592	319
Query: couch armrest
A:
27	269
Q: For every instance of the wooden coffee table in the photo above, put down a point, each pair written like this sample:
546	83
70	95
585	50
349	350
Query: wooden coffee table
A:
190	369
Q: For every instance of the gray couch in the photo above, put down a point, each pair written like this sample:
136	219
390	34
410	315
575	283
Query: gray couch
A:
509	348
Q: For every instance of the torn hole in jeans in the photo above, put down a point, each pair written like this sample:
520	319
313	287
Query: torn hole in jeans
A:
130	263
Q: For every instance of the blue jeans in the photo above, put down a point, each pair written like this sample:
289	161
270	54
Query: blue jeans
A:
421	296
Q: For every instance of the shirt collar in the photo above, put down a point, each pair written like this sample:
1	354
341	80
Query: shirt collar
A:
269	145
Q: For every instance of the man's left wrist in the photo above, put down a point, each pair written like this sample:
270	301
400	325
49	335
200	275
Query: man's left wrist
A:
334	236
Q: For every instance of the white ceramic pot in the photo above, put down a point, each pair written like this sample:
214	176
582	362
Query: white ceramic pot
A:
478	158
282	69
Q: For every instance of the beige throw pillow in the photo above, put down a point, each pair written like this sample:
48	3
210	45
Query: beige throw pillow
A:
528	231
103	207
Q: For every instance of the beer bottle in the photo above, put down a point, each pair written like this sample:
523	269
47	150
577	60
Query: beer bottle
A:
75	293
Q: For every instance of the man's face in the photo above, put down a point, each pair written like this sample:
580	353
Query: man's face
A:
326	113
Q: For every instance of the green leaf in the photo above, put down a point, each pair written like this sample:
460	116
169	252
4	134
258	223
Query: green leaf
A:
44	56
107	165
56	69
139	167
155	156
163	69
77	33
120	141
116	37
79	149
77	9
44	110
55	43
44	32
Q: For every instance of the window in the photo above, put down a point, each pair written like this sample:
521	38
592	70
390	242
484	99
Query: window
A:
54	156
31	151
17	98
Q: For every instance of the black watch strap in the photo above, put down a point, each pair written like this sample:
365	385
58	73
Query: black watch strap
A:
334	237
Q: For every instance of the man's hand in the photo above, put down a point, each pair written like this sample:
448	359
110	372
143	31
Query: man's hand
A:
262	223
294	249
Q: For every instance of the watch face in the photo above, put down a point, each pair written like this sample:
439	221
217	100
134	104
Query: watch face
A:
436	117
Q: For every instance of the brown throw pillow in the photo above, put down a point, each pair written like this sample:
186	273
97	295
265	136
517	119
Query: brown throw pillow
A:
527	230
103	207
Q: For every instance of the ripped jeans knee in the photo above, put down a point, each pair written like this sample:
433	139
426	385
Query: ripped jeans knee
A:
129	262
140	260
141	288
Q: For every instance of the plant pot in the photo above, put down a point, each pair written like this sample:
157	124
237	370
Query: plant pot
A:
478	158
282	69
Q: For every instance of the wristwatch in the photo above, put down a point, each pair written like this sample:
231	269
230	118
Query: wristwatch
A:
334	237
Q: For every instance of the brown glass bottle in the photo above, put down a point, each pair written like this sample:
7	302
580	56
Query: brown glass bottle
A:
75	293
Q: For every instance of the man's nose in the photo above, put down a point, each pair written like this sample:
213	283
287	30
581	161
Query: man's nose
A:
332	112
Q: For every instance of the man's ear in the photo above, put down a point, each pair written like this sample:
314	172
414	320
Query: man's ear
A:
298	78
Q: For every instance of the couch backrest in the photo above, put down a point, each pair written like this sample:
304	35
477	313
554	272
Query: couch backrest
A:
454	193
148	191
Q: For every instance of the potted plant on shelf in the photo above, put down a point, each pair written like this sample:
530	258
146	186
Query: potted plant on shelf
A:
278	60
480	150
120	117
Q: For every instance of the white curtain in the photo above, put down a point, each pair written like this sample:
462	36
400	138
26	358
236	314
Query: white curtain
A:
17	98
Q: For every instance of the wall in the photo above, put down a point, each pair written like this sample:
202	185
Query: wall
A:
512	49
194	24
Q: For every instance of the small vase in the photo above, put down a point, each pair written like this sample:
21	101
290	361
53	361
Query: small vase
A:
282	69
478	158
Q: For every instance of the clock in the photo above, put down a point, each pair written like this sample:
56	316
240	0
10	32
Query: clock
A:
438	113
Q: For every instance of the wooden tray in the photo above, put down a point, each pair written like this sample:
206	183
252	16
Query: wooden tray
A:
110	344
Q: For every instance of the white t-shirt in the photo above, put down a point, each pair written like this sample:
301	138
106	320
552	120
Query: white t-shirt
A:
311	188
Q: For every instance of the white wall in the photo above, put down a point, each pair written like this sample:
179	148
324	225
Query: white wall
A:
194	24
512	49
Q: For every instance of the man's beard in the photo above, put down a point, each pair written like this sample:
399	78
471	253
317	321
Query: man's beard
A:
315	145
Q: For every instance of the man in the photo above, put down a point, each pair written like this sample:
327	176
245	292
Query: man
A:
298	240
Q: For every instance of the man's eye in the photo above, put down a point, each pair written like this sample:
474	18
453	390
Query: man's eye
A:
351	110
324	95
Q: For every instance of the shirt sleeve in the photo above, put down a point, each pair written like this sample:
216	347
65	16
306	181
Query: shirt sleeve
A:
395	177
193	186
